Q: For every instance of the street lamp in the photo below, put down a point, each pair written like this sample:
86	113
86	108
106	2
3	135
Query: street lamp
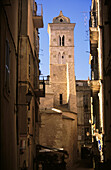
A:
28	100
28	96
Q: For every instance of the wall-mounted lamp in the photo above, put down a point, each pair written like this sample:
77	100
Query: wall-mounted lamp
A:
28	96
28	100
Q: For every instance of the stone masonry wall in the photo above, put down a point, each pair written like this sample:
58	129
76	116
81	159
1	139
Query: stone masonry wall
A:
51	129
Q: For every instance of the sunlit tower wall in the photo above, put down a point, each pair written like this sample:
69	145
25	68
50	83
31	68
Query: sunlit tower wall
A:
61	48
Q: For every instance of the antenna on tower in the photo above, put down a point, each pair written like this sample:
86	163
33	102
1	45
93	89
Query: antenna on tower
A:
85	15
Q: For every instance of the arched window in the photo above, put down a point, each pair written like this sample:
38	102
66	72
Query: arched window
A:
59	58
63	39
59	41
63	58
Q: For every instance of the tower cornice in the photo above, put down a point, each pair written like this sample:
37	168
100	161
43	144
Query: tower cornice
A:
62	26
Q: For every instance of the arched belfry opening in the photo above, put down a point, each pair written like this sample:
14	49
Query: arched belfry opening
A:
59	40
63	40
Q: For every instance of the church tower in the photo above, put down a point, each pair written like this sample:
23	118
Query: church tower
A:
61	48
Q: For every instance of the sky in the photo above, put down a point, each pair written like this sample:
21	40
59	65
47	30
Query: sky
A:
78	12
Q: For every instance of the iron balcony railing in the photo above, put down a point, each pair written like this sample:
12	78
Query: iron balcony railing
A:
38	16
38	10
40	92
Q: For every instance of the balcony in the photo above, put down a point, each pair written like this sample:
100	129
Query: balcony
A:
38	16
93	41
95	85
41	91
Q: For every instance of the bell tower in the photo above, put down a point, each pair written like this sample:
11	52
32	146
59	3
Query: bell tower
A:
61	48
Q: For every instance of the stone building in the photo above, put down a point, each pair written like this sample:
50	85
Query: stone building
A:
19	81
106	9
58	109
100	57
83	93
28	82
8	55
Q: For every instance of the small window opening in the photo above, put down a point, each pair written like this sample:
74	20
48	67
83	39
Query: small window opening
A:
59	40
60	98
63	40
61	20
62	56
29	65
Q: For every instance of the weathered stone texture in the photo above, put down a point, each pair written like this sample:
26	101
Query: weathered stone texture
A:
59	128
51	129
83	111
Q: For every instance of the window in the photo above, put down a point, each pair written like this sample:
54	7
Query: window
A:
61	20
86	131
63	58
59	40
85	102
7	66
29	65
63	40
22	146
60	98
36	112
33	116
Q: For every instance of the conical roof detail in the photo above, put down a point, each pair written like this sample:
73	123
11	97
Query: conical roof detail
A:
61	14
61	19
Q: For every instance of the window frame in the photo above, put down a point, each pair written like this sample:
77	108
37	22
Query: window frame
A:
61	98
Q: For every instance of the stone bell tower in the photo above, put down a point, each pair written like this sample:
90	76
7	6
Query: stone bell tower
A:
61	48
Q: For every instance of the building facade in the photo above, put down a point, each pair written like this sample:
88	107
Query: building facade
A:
19	83
100	28
28	82
83	93
58	108
8	55
107	79
62	76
